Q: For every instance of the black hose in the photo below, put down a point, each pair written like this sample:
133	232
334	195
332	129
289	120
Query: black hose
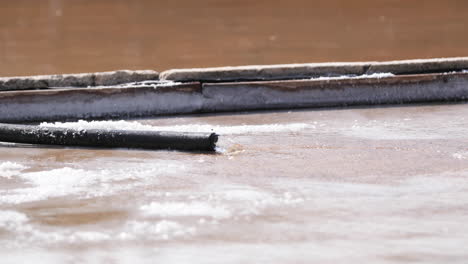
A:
108	138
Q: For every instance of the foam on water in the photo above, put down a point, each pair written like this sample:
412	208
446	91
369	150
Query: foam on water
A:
133	125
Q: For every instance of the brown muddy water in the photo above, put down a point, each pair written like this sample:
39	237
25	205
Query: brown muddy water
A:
57	36
367	185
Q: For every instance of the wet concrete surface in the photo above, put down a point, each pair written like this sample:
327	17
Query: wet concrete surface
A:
385	185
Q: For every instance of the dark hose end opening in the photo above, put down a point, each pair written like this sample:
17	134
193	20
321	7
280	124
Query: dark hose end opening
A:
213	139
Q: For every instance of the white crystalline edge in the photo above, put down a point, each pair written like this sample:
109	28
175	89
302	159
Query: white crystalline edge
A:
149	83
9	169
86	183
364	76
133	125
179	209
154	84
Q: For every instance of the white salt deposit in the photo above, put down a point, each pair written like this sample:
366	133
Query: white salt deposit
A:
9	169
245	194
364	76
146	230
127	125
28	233
179	209
83	183
153	84
461	155
361	210
11	220
52	183
258	198
83	236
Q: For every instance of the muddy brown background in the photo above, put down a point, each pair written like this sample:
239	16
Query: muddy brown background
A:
58	36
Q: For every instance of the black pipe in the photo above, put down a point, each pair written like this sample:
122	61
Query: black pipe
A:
108	138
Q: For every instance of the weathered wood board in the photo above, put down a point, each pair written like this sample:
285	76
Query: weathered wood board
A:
184	98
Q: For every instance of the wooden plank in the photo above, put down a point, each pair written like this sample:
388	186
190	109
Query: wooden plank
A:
312	70
76	80
241	96
96	103
420	66
184	98
266	72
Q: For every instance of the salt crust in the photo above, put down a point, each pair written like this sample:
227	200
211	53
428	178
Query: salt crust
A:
133	125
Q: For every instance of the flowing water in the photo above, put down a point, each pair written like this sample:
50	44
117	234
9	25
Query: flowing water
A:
367	185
